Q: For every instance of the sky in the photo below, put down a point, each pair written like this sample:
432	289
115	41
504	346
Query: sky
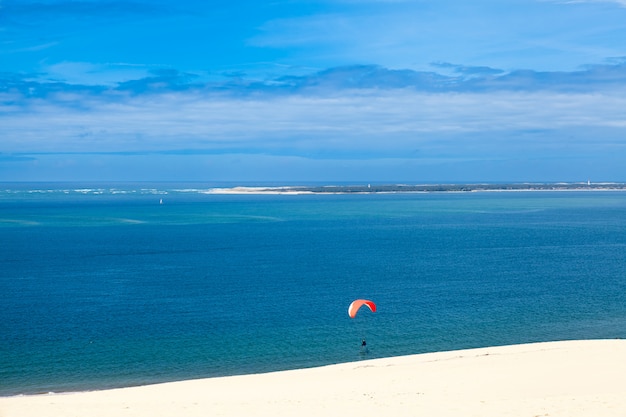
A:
300	91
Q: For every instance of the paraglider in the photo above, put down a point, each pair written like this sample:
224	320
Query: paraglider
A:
357	304
353	309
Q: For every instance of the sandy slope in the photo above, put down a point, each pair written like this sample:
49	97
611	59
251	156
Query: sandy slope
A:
574	378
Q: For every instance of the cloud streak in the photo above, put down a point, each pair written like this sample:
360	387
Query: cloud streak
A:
541	35
354	113
610	75
621	3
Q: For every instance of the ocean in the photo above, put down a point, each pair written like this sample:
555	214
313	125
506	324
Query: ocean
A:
119	285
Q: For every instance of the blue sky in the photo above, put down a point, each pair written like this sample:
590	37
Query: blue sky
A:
313	90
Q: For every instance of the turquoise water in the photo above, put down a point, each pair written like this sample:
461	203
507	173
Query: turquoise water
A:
105	287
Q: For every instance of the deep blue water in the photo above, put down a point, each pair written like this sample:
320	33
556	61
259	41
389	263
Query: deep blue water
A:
105	287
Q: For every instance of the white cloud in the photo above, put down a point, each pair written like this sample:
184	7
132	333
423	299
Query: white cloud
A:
88	73
619	2
358	124
517	35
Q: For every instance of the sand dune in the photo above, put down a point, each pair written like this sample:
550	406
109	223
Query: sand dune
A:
573	378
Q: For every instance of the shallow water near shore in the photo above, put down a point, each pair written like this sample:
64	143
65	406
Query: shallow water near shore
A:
109	286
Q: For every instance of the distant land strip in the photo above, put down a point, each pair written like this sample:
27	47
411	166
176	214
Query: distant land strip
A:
414	188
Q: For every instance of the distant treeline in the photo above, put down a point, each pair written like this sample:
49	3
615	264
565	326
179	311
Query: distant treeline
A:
394	188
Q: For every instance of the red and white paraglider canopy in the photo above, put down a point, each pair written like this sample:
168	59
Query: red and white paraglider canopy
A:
357	304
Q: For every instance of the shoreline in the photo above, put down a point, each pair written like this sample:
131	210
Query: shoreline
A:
164	188
564	378
418	188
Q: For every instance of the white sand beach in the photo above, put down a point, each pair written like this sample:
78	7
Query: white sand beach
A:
569	379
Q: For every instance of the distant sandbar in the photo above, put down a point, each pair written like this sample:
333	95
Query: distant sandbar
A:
420	188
